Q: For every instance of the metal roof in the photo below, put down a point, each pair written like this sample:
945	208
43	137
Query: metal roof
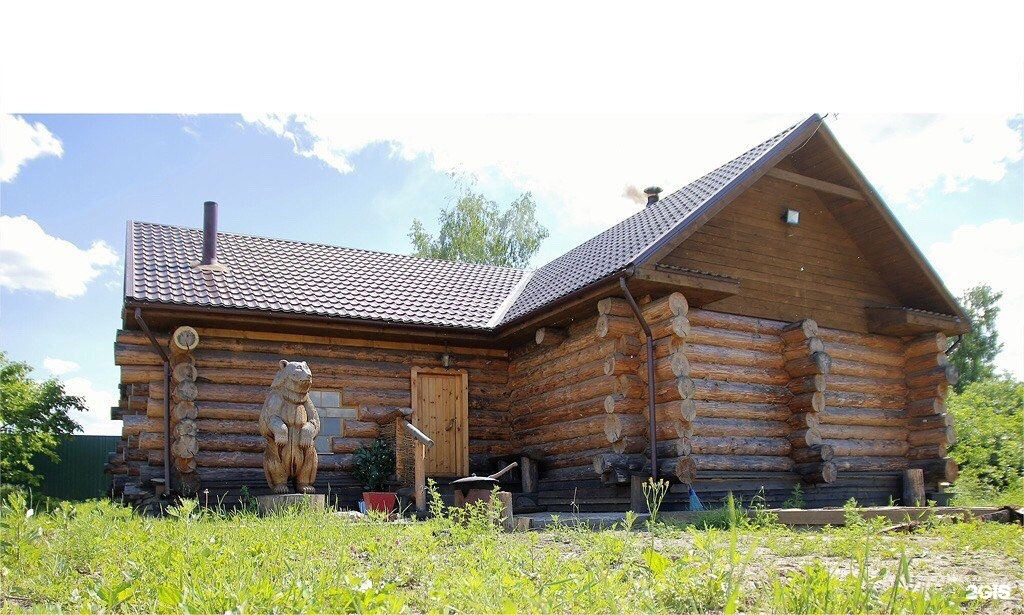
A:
329	281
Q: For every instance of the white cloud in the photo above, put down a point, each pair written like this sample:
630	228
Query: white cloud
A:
97	420
588	162
31	259
903	156
21	142
991	253
59	367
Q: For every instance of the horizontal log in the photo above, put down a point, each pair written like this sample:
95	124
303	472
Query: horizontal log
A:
550	336
624	405
731	445
815	363
618	426
674	327
588	344
360	429
683	410
797	332
861	432
580	373
931	421
735	322
739	373
382	414
937	375
938	470
716	390
672	366
937	435
569	430
704	427
814	383
614	306
807	402
672	429
834	415
928	451
350	445
744	463
227	427
804	348
619	363
871	464
803	420
673	390
664	308
683	468
933	391
134	424
184	371
926	344
677	447
817	473
813	454
733	339
804	438
228	459
209	442
863	400
863	354
926	362
588	389
702	353
868	448
353	396
869	340
738	410
606	462
630	444
570	412
926	407
841	367
877	386
615	326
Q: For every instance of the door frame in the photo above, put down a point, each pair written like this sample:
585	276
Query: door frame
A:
462	412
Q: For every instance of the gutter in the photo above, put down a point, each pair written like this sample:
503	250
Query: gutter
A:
167	398
653	429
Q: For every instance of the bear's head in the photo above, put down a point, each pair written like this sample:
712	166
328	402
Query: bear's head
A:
294	376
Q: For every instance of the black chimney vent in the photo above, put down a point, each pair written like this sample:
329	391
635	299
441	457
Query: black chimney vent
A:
652	194
209	233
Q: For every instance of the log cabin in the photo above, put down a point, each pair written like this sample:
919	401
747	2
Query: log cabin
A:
770	325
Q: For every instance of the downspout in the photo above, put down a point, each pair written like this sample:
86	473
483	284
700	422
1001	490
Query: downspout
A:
167	398
653	429
953	346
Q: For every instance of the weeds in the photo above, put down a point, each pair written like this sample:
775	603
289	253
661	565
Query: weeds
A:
98	556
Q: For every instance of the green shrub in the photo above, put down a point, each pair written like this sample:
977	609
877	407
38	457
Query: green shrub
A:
374	465
990	434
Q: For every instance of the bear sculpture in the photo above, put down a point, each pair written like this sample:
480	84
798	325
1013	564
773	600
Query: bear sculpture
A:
289	422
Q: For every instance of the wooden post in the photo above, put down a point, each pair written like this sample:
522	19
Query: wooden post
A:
637	501
420	482
913	487
528	470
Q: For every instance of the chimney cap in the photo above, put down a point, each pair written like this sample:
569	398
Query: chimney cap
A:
652	190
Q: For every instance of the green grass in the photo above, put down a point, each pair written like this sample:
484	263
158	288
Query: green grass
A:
100	556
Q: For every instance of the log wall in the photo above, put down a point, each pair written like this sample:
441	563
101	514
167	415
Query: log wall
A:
232	375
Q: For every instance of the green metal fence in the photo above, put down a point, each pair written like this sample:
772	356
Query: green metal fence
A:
79	475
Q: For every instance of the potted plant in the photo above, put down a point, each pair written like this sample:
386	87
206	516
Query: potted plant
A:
373	466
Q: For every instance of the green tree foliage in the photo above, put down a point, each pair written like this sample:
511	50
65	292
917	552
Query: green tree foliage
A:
33	419
990	431
977	350
477	231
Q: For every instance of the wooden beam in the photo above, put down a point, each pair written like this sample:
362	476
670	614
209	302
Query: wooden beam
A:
816	184
905	321
550	336
699	288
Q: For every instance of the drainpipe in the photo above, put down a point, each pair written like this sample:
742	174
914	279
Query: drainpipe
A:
953	346
167	399
653	430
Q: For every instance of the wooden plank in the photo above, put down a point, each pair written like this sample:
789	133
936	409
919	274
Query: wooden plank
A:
815	184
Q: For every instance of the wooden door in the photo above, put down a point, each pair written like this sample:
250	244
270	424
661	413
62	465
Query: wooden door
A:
440	409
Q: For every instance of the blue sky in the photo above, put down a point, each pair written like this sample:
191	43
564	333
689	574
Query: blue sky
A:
70	182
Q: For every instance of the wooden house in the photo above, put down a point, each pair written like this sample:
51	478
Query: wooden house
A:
768	325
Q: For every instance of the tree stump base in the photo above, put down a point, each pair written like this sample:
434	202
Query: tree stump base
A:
484	495
270	504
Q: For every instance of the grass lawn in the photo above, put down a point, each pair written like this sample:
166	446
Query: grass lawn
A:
100	556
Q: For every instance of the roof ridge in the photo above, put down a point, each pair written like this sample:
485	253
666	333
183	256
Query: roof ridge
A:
506	305
328	245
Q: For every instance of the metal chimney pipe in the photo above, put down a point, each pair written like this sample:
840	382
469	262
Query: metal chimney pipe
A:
209	233
652	194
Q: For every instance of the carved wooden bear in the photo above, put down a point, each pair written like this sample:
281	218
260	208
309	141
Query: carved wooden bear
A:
289	422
